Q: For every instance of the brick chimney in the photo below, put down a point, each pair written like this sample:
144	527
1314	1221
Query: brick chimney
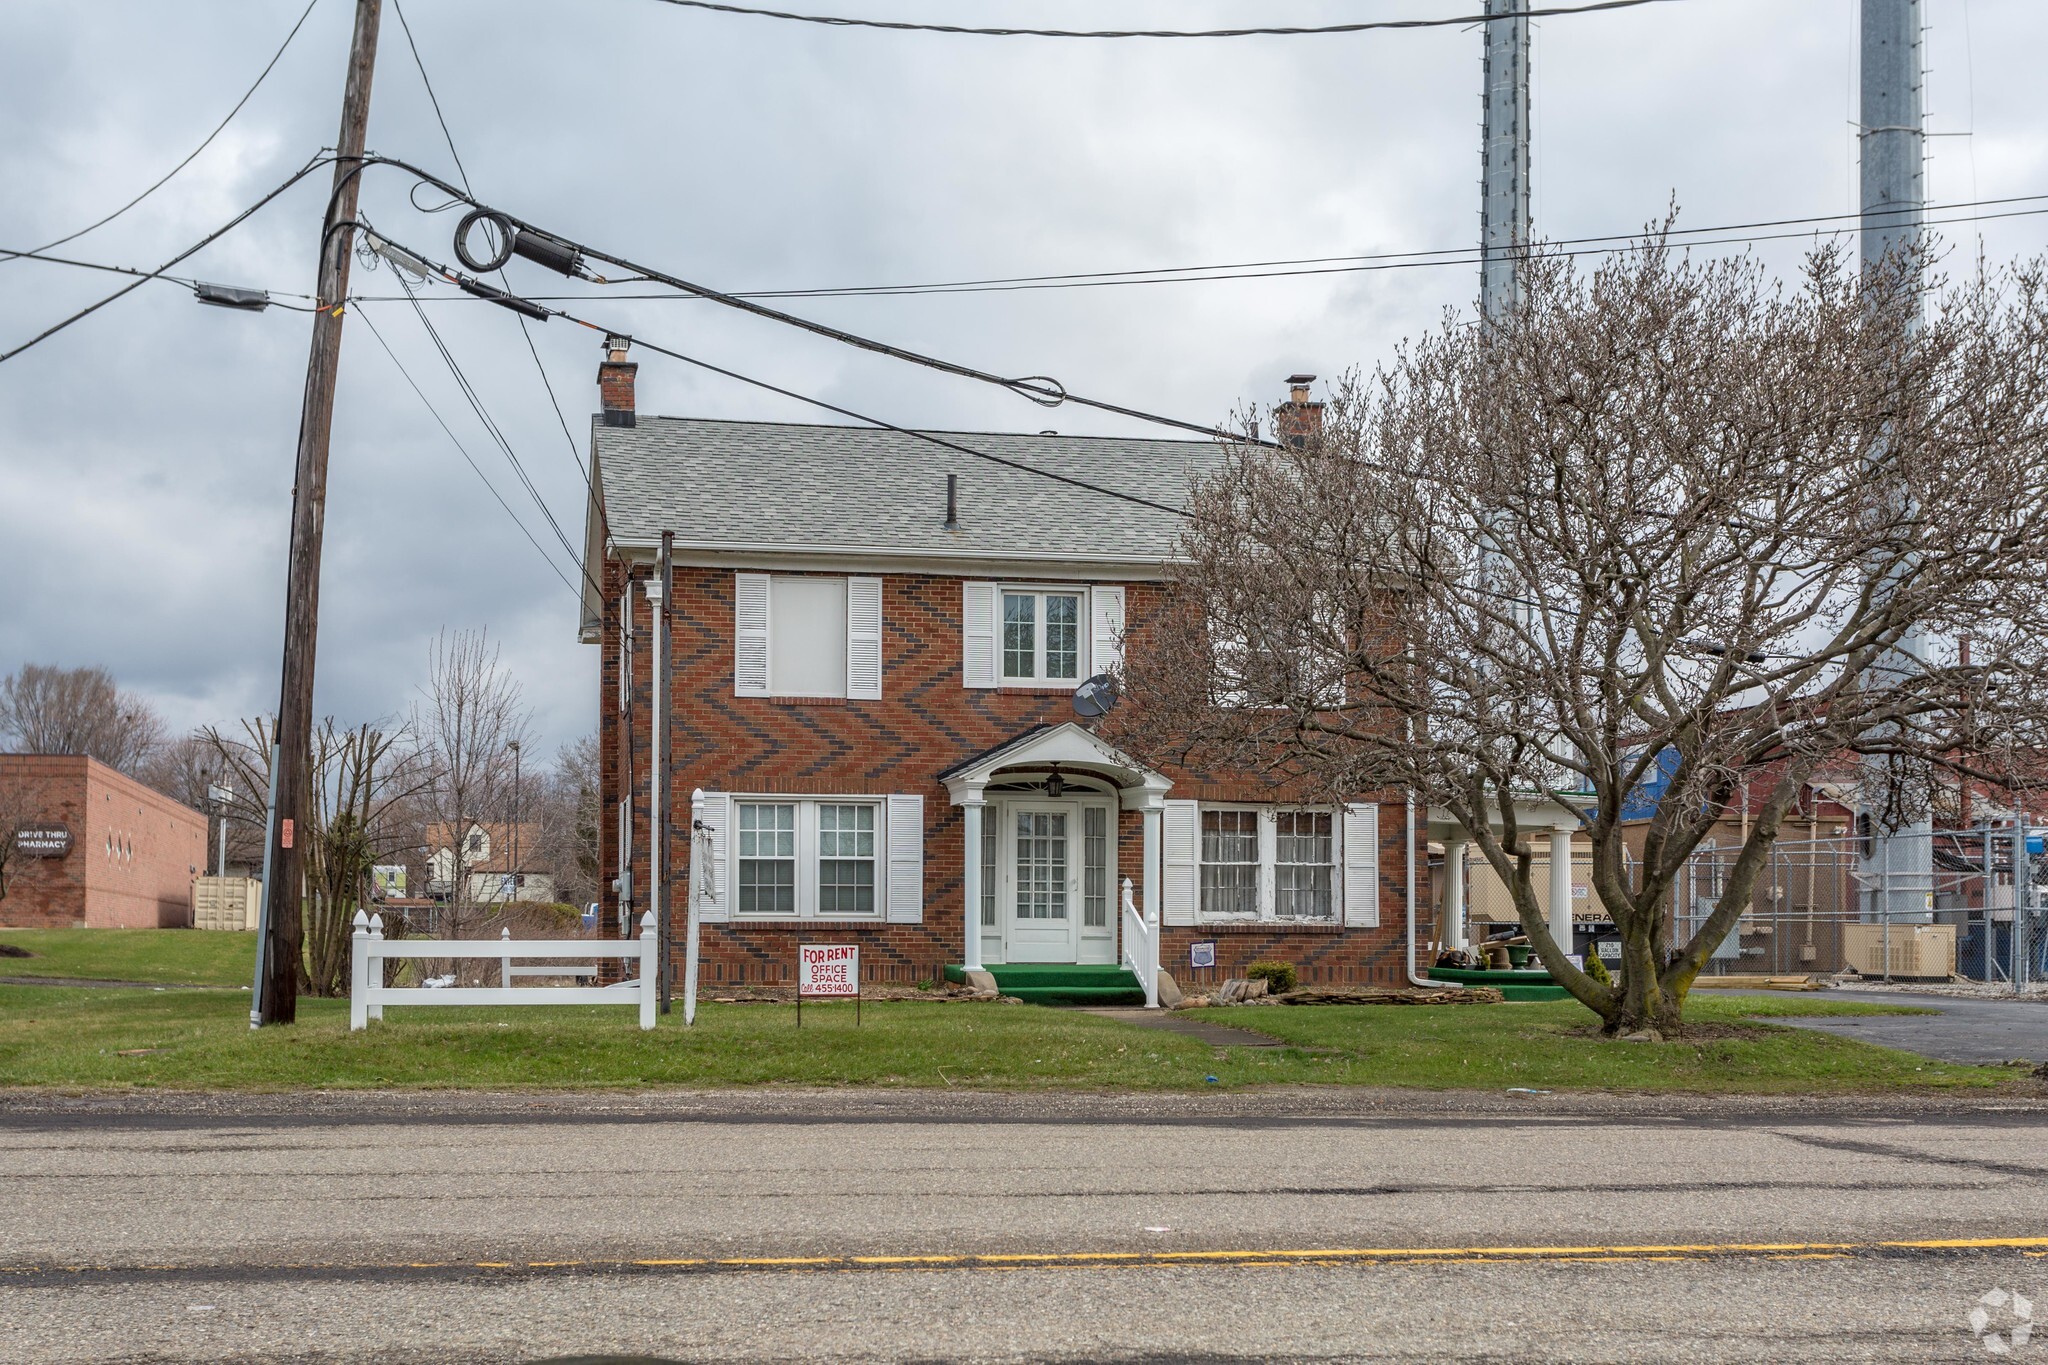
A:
1298	420
615	382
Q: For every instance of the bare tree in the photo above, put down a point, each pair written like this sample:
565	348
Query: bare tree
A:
1667	514
22	803
470	714
362	781
567	816
48	710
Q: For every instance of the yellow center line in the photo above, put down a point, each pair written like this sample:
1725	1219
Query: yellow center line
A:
1242	1258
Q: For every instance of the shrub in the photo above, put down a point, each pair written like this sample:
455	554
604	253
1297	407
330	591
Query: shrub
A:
1278	976
1597	969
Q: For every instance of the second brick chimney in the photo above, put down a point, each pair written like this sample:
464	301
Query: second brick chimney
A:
615	383
1297	421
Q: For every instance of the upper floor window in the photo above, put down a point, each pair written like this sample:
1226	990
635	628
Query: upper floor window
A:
807	635
1041	636
1031	635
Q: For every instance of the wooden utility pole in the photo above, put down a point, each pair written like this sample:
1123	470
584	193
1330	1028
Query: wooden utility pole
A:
282	926
665	764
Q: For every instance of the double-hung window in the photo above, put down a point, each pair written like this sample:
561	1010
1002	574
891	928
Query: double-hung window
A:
1230	863
1041	636
1267	863
1304	865
808	859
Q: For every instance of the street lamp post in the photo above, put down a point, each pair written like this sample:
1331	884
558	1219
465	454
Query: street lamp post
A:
515	819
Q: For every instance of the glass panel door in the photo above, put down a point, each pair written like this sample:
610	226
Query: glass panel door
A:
1041	882
1041	864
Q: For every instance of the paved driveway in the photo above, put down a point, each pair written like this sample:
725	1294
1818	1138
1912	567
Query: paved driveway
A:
1985	1032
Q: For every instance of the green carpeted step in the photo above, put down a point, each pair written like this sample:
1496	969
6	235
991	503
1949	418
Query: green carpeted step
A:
1077	995
1061	983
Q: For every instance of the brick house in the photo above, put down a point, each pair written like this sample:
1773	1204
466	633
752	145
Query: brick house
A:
876	645
94	847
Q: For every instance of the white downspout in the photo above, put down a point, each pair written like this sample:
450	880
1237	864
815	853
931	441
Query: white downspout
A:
1415	979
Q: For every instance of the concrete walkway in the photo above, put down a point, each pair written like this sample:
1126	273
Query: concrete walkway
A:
1216	1035
1984	1032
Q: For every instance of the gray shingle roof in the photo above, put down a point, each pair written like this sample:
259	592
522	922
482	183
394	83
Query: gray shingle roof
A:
792	488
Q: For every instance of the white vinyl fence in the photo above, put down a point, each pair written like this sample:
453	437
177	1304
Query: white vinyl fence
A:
368	995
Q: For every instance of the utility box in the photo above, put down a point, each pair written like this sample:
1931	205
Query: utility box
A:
226	902
1921	952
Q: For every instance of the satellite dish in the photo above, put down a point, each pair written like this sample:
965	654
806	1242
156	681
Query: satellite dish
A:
1096	696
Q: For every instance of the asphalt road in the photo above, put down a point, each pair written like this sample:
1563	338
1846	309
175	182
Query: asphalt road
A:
1985	1032
899	1226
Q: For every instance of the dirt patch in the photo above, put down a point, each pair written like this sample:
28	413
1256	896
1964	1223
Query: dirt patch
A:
1694	1033
14	950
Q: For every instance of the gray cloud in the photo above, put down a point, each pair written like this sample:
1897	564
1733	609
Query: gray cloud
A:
145	455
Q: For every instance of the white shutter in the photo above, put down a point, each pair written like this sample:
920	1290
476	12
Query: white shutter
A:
750	635
978	634
906	860
1180	885
1362	866
714	893
864	639
625	649
1106	619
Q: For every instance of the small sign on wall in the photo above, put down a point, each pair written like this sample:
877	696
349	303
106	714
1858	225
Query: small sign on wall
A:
1202	954
827	971
42	841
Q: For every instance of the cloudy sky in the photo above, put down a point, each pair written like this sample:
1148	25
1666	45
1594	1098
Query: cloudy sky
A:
146	453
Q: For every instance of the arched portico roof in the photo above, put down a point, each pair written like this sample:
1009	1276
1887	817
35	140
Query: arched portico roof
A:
1073	748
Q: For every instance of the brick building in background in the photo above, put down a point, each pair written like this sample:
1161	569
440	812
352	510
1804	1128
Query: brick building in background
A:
95	848
877	645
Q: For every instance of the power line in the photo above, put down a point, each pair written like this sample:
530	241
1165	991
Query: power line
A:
575	454
553	567
1365	26
190	156
497	434
274	295
1367	264
144	278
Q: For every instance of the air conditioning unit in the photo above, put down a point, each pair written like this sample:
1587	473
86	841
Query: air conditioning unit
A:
1924	952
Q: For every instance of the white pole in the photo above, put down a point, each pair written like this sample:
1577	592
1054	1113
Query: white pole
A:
373	989
971	880
358	974
1155	871
505	962
698	839
1454	891
1561	888
649	968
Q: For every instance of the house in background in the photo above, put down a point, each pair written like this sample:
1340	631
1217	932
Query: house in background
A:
497	858
876	646
94	848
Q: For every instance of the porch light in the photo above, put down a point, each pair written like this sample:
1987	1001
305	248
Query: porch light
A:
1055	785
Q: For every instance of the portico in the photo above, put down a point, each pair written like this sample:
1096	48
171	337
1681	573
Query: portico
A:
1040	857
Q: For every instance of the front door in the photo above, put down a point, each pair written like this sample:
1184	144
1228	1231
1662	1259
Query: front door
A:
1042	881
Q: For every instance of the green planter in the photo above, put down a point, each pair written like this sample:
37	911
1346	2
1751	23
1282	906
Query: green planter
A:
1518	955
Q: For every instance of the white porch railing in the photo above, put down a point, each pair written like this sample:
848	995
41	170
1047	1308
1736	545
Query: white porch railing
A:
1141	947
368	995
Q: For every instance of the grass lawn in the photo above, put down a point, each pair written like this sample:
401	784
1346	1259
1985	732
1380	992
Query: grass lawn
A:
97	1037
181	957
1550	1046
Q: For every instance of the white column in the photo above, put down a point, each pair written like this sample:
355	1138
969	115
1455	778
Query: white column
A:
970	811
1454	892
1561	888
1155	872
359	974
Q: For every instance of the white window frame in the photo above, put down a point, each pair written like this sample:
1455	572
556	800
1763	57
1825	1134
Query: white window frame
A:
1261	861
1083	629
807	858
1268	876
1335	864
861	639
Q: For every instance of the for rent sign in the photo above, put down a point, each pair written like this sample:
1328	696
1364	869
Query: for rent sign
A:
828	969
